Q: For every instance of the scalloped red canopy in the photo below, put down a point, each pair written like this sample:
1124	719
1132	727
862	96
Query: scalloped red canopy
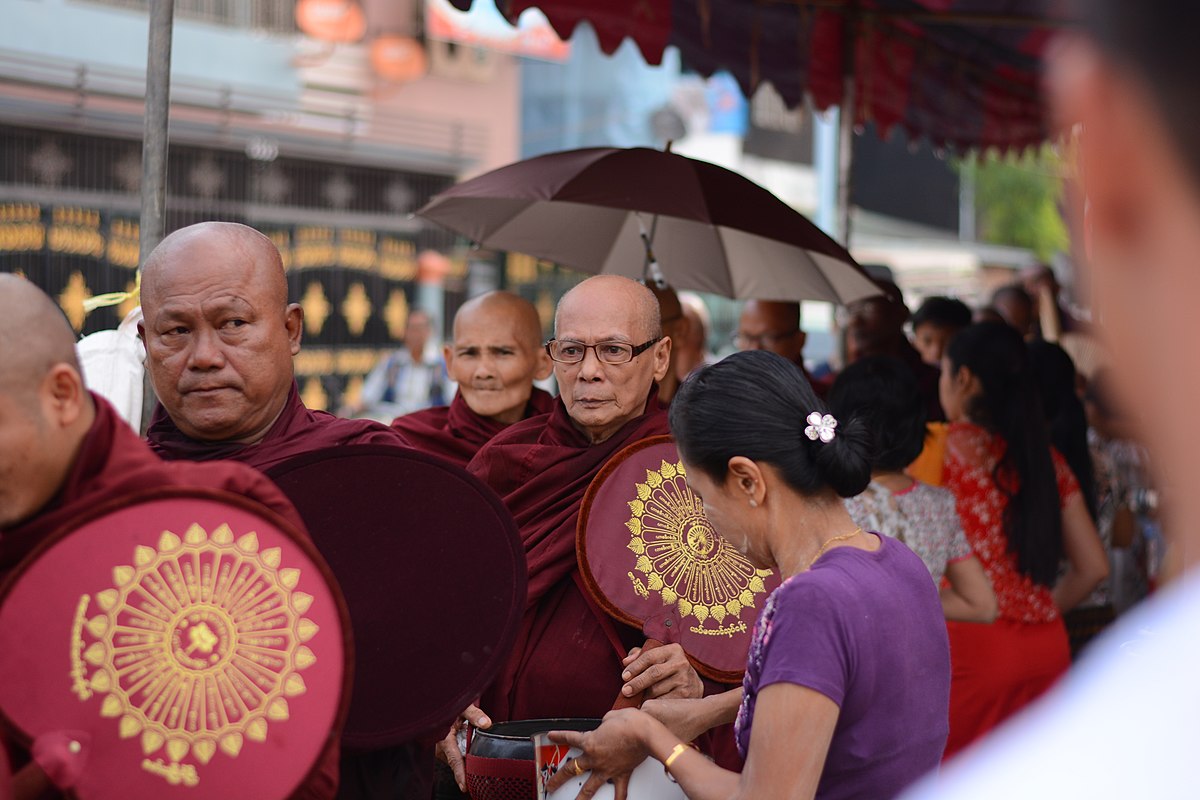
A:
962	73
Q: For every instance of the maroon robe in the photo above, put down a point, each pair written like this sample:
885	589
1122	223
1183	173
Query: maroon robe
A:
112	461
405	771
455	432
298	430
563	664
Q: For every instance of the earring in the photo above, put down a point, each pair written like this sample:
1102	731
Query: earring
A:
753	503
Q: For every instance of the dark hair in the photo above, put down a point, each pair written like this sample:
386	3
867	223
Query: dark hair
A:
1054	372
882	391
1008	406
945	312
1156	41
755	404
1015	291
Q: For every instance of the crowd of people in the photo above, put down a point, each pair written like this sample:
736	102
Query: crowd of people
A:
954	517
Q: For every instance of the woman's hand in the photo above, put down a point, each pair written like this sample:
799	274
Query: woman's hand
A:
611	753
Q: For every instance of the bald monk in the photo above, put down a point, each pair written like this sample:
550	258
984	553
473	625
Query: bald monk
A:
676	327
64	450
775	326
692	351
495	357
220	336
609	352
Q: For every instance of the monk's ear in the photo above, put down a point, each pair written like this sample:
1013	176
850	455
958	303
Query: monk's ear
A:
662	358
544	366
64	396
448	354
294	322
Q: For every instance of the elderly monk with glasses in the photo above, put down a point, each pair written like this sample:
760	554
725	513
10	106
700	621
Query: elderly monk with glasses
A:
571	659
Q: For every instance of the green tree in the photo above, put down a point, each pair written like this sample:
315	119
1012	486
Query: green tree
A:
1017	200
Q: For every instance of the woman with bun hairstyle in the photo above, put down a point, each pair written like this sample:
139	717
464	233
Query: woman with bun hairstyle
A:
1022	511
846	690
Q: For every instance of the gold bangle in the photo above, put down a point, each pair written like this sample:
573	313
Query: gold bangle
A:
675	753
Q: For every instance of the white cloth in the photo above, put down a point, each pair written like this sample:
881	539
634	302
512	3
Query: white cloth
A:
112	367
398	385
1125	723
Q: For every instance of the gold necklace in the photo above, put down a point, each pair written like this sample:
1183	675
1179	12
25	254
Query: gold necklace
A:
821	551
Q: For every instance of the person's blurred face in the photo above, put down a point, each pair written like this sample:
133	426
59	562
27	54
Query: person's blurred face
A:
930	340
955	389
219	344
761	328
602	397
1143	228
417	331
871	328
495	360
35	453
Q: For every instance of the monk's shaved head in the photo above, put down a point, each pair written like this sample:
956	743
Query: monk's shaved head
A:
497	354
600	392
257	251
219	332
524	315
45	412
641	300
34	336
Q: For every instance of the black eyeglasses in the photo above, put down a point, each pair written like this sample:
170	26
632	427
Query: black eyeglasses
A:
566	351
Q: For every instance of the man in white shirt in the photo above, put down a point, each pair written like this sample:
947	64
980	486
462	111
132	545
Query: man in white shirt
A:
1126	722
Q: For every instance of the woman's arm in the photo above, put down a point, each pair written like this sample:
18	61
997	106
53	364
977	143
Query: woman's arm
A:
969	597
687	719
1087	563
793	726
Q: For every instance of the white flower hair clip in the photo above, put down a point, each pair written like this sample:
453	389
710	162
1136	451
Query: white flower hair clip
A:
821	427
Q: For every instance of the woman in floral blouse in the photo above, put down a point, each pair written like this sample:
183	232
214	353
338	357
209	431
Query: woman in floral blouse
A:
1022	511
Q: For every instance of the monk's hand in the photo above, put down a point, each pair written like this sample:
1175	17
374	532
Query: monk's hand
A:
451	752
610	753
661	672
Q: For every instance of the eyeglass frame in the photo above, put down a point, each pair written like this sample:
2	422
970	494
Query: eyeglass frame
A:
634	350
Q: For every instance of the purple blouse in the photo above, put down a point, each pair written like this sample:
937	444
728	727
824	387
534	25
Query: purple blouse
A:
866	630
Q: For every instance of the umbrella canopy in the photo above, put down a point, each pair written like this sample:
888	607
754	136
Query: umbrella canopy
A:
962	73
712	230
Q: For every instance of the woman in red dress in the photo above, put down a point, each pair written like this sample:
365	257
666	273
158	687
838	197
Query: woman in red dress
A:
1022	512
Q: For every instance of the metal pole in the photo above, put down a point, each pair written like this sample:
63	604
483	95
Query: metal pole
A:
154	134
846	123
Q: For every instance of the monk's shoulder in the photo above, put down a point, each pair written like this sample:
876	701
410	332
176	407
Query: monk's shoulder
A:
340	430
434	418
236	478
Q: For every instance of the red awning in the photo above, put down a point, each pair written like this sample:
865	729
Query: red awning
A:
962	73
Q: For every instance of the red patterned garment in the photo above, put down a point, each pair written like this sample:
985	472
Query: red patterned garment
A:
998	669
971	457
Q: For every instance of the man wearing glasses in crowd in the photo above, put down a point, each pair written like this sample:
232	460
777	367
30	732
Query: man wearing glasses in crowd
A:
775	327
609	352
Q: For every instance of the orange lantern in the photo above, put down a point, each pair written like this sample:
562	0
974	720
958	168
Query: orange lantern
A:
339	21
398	58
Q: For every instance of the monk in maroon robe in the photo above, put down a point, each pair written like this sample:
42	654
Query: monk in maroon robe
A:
64	450
495	357
569	659
220	336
